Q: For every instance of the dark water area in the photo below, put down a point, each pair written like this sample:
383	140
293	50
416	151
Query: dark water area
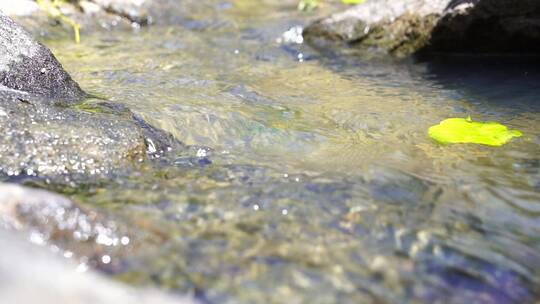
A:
320	183
502	81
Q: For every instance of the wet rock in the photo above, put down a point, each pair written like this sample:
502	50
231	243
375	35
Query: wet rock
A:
63	145
27	65
74	146
157	141
404	27
49	219
56	280
50	134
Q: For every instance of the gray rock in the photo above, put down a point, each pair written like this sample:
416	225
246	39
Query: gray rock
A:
404	27
64	144
33	274
50	134
27	65
77	145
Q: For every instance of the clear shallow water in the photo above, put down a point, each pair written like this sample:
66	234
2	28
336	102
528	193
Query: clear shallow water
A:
322	184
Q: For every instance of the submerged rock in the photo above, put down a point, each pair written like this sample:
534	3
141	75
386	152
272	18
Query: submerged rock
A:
49	219
404	27
92	237
56	280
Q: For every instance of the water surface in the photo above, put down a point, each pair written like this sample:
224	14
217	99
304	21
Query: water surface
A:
320	184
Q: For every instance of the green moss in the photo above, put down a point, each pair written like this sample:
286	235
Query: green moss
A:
92	107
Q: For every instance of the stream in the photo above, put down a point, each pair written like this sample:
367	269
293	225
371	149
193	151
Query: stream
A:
315	180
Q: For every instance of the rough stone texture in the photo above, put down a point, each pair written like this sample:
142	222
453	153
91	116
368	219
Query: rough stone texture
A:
32	274
63	144
49	134
403	27
85	143
27	65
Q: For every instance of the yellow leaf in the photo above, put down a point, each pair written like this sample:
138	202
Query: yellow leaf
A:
464	130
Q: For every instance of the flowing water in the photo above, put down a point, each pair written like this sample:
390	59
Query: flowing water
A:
320	184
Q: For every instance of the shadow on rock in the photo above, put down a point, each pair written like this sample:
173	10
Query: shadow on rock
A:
402	27
487	26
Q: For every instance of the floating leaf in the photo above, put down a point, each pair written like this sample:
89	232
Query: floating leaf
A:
464	130
353	1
